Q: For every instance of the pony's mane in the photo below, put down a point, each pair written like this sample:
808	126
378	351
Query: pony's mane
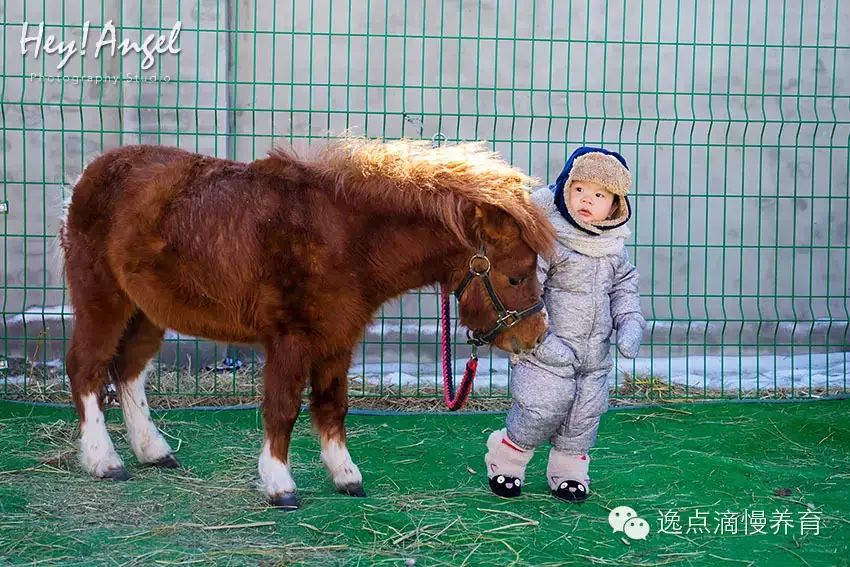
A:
438	181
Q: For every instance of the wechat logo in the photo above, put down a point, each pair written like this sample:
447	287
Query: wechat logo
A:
625	519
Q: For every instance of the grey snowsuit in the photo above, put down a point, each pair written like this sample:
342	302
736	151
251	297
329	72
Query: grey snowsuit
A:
560	389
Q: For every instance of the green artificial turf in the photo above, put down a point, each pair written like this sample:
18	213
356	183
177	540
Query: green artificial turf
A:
428	501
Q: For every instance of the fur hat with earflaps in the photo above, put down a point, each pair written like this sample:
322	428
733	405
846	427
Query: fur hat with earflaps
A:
608	169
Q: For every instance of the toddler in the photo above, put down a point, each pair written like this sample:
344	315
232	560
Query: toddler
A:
590	288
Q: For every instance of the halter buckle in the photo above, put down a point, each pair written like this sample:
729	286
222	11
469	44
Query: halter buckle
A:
509	319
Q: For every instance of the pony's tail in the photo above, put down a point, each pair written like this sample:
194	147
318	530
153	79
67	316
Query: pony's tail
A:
60	240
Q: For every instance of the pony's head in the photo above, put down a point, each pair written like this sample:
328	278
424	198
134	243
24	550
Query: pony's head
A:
483	205
497	287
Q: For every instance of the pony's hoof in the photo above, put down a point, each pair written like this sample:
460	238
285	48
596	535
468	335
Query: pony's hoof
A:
119	473
506	486
166	462
571	491
285	501
352	490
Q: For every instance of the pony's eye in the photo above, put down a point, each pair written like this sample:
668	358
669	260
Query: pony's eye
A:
516	281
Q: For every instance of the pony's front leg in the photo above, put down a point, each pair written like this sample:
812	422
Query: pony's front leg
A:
328	407
283	382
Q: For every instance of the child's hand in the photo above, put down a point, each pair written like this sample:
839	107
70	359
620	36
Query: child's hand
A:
554	352
629	336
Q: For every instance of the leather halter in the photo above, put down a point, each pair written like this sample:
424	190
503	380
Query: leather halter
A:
505	318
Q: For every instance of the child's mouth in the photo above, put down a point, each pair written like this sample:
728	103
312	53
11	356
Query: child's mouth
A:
584	212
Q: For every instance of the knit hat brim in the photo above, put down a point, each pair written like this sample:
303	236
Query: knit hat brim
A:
606	170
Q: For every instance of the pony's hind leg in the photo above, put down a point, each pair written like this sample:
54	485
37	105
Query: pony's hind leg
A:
139	344
328	408
99	325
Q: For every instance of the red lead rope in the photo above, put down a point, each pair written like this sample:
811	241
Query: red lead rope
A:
454	400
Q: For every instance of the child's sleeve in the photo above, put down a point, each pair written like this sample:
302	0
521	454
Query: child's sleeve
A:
551	351
625	292
543	268
625	307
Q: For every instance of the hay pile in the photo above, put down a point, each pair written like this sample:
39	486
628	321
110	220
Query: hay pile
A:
174	388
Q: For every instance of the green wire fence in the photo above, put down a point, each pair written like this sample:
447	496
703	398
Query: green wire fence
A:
734	117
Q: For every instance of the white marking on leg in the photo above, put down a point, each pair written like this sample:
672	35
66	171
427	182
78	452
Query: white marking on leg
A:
97	454
338	461
147	442
274	473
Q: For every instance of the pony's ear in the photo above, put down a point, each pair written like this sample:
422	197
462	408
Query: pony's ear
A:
491	224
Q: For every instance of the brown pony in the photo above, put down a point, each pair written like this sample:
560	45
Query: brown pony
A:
293	254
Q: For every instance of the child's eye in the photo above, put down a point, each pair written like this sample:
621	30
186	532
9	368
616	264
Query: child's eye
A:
516	281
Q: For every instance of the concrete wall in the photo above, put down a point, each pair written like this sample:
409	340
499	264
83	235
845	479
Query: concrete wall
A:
734	118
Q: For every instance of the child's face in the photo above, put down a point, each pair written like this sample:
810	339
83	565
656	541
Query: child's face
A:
590	201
